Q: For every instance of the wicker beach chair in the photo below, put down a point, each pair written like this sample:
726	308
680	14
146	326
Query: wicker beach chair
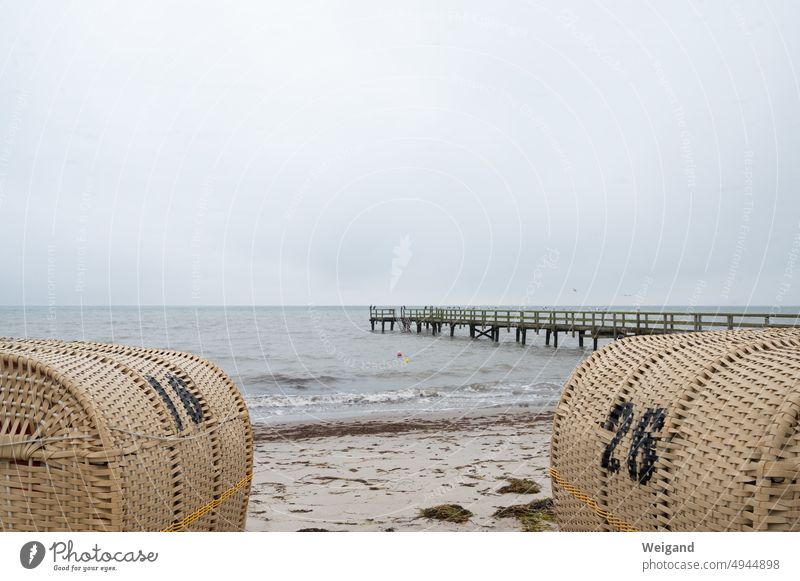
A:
687	432
97	437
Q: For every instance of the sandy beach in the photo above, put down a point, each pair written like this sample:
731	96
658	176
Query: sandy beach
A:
377	474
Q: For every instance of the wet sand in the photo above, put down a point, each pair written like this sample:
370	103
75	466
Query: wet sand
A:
376	474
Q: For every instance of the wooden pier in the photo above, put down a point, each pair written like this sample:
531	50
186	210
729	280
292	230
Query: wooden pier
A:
592	324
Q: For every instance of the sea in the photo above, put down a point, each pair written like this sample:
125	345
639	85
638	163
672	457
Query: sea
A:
309	363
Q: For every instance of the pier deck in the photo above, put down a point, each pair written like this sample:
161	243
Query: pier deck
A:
593	324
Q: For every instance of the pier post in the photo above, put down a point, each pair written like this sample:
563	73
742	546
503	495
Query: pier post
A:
580	338
472	331
372	322
383	326
555	339
391	325
452	329
595	342
517	338
524	335
547	337
496	334
419	327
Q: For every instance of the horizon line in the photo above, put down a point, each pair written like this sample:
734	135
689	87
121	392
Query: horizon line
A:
365	305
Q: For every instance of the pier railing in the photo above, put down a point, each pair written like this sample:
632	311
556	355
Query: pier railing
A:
623	320
595	323
382	314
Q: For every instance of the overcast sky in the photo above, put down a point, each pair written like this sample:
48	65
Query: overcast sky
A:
400	152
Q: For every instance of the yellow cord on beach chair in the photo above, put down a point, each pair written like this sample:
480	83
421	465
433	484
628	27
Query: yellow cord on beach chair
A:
619	524
204	510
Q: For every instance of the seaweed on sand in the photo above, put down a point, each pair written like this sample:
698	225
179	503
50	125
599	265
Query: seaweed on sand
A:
313	530
449	512
520	486
533	516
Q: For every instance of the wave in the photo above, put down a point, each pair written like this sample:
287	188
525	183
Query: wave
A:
496	367
490	392
301	381
290	380
339	399
514	388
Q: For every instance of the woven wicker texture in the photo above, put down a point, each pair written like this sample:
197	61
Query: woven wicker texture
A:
116	438
687	432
